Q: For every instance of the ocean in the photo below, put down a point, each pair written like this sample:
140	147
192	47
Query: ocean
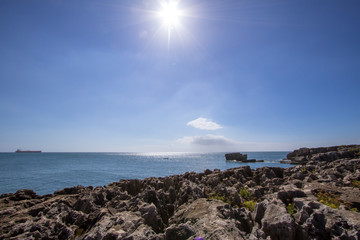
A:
48	172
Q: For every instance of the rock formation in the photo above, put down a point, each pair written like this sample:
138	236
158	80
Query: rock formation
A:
236	157
240	158
304	155
319	199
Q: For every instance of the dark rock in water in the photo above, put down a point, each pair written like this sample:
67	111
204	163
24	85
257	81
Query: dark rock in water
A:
286	161
240	158
249	160
236	157
238	203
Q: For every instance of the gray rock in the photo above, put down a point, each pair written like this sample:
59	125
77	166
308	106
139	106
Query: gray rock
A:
151	217
277	223
179	232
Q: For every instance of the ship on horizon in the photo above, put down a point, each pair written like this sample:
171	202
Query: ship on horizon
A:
27	151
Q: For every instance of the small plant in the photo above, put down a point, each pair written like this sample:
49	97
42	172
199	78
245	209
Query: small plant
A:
355	183
244	193
303	169
217	196
220	197
78	233
291	209
329	199
356	150
250	205
354	210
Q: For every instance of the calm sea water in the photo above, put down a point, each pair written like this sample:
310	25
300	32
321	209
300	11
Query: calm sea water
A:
48	172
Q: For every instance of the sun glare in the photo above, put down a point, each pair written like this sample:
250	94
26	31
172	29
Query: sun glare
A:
170	14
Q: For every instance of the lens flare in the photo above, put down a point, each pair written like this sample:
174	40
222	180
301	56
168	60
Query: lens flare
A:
170	14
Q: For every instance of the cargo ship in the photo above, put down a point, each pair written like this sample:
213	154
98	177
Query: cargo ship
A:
27	151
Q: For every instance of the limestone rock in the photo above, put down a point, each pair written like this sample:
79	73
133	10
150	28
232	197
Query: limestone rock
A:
207	204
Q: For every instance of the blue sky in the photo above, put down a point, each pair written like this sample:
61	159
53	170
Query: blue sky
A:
235	75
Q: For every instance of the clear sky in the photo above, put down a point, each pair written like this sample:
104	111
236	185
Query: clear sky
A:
227	75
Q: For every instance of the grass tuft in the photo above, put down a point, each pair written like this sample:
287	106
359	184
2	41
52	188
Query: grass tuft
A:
291	209
244	193
250	205
329	199
355	183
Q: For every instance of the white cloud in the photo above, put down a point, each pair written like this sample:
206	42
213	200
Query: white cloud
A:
204	124
207	140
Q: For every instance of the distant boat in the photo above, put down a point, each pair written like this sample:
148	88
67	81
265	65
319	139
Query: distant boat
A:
27	151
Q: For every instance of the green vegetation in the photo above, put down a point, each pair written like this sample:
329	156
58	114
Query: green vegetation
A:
354	210
220	197
333	200
250	205
244	193
248	201
78	233
355	183
291	209
329	199
355	149
303	169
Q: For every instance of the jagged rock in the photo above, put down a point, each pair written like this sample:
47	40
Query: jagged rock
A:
151	217
23	194
277	223
327	154
188	206
211	219
179	232
288	193
72	190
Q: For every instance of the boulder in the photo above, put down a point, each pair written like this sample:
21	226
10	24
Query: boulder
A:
277	223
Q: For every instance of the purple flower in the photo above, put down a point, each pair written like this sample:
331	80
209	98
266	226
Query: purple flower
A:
198	238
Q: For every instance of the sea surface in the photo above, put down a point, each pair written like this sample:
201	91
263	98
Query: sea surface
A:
48	172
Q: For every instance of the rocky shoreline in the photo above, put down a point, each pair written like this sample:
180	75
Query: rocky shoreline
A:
318	199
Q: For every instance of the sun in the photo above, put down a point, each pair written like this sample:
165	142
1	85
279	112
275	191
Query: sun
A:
170	14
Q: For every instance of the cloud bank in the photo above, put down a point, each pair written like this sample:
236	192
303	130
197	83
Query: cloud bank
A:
207	140
204	124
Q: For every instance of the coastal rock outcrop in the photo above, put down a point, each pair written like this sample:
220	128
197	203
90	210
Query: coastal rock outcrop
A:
239	157
236	157
304	155
319	199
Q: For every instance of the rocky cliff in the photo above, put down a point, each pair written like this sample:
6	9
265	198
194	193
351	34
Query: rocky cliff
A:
304	155
319	199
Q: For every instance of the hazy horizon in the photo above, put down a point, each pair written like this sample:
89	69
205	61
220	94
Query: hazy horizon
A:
178	76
